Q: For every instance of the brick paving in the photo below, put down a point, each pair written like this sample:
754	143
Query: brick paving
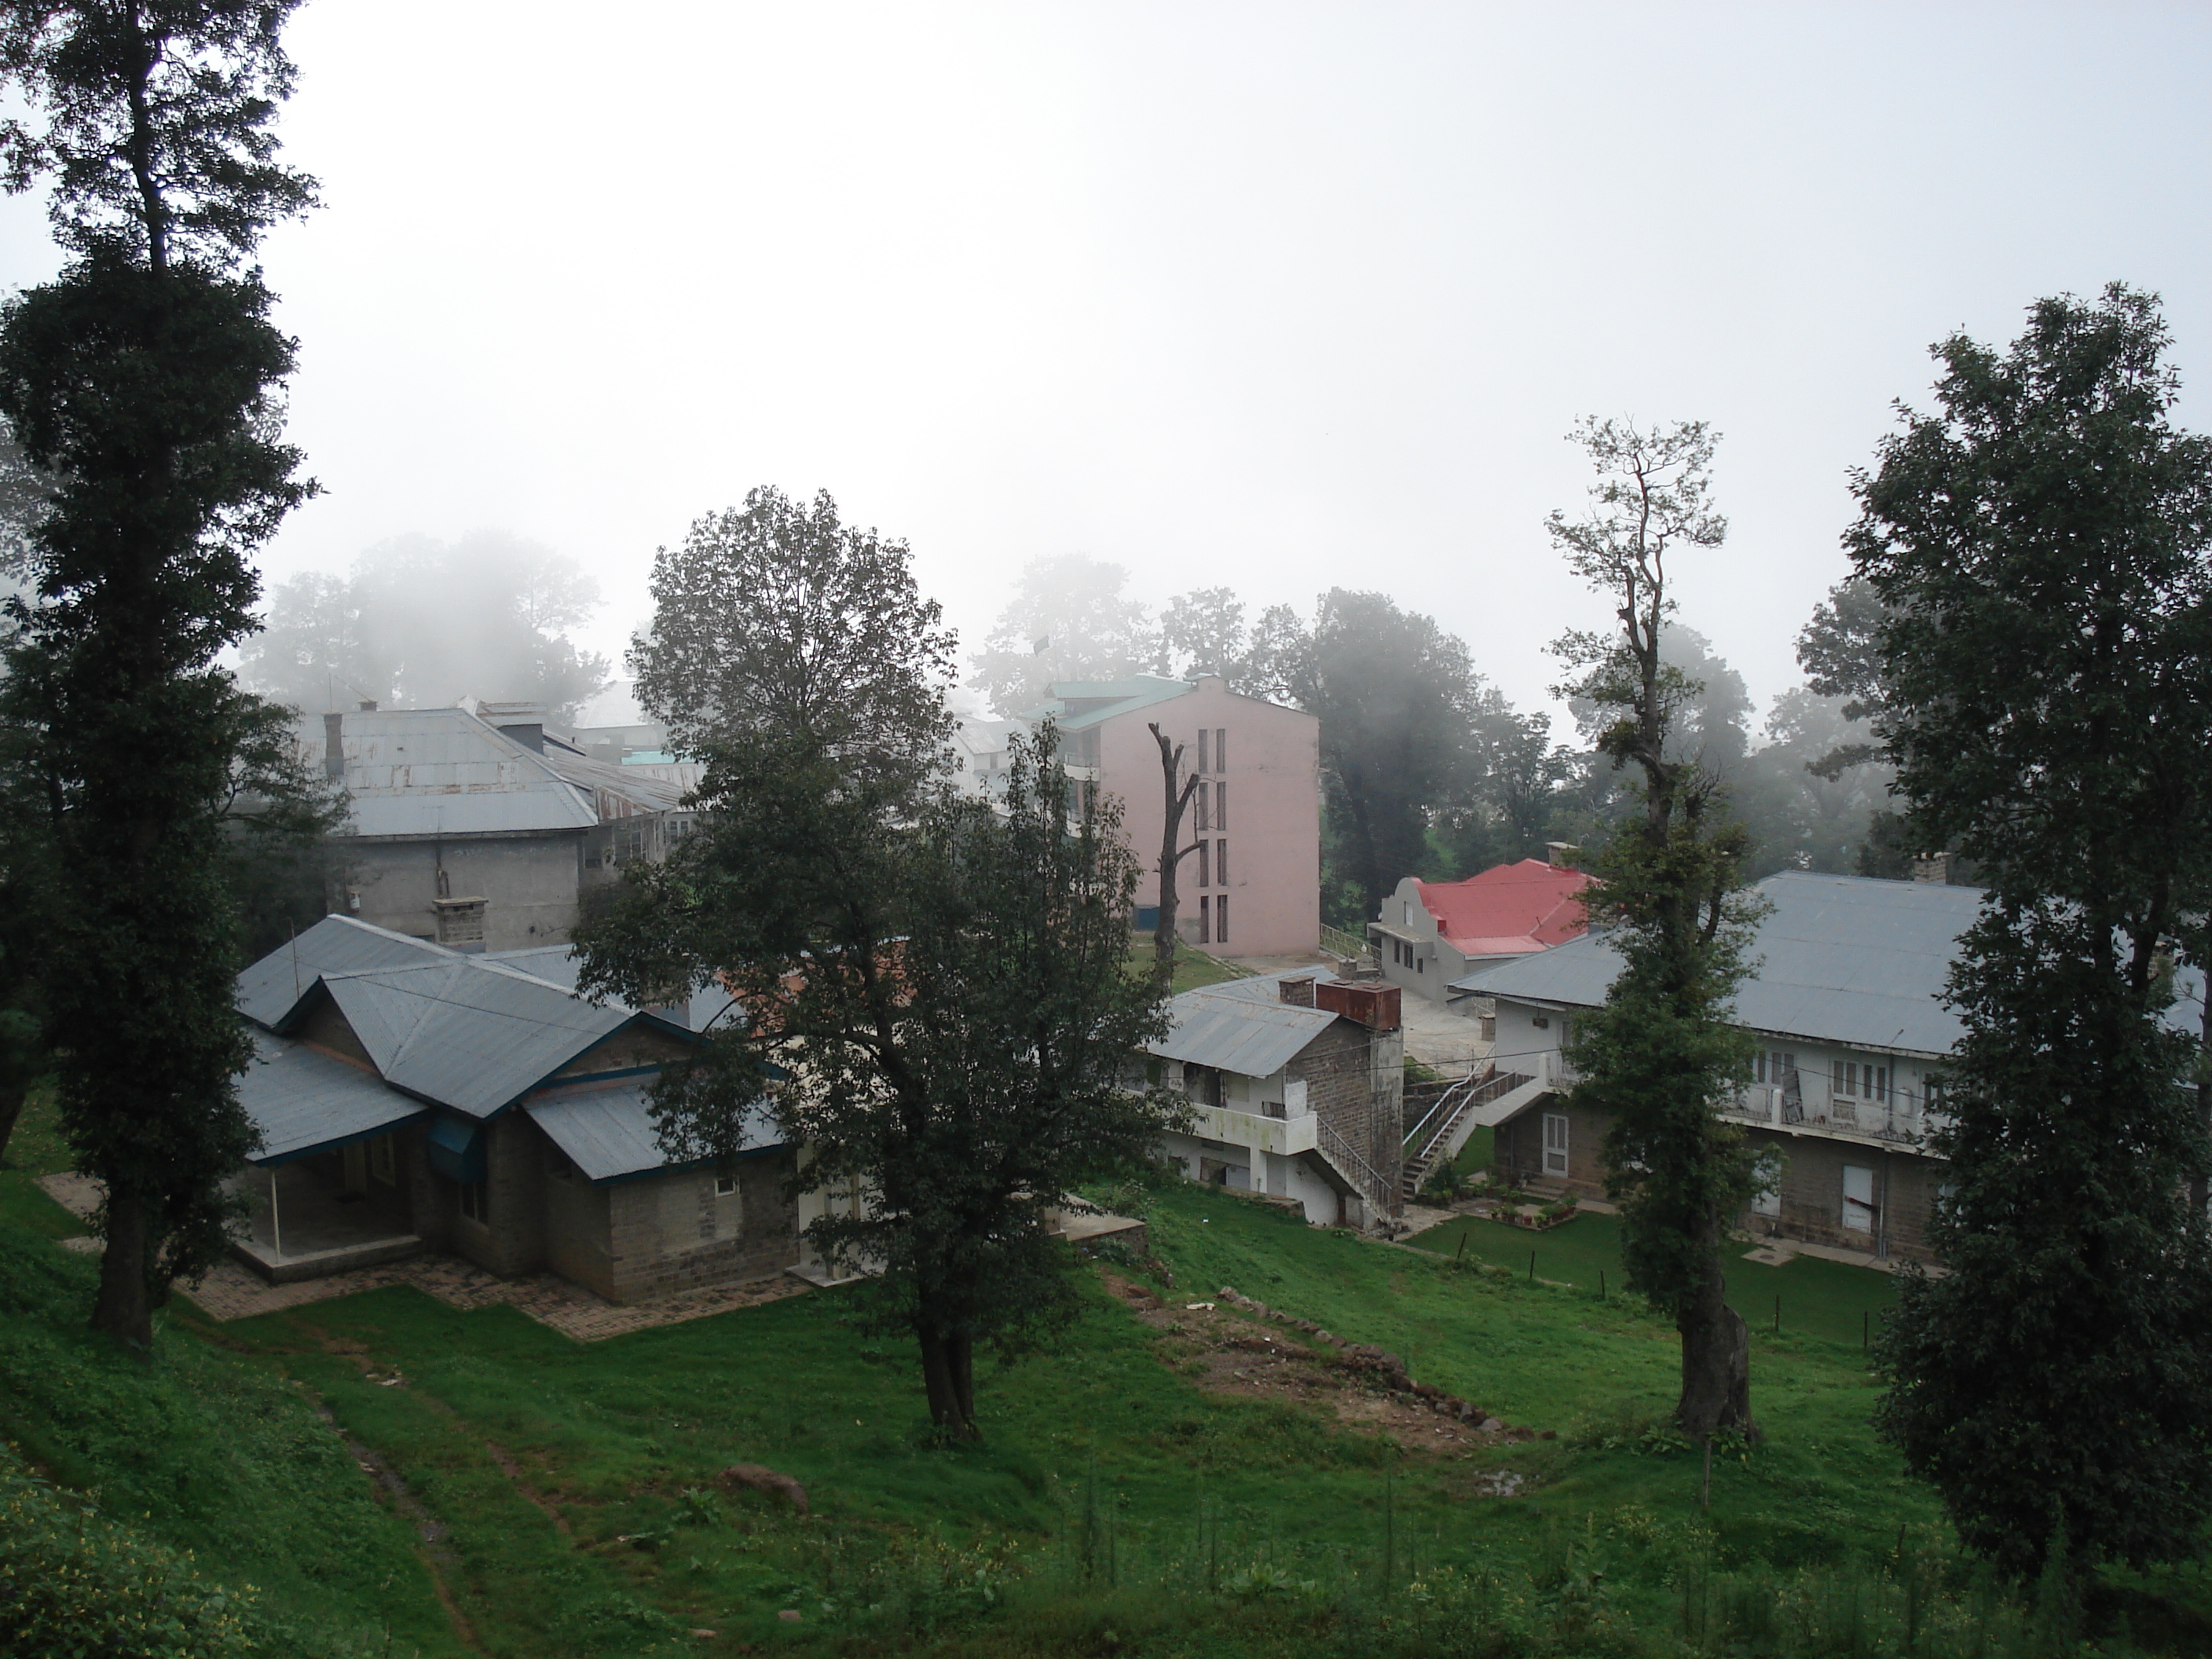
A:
232	1291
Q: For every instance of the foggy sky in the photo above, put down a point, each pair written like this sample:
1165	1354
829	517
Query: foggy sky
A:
1270	295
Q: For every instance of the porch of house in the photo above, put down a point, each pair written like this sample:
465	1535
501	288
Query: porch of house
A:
304	1221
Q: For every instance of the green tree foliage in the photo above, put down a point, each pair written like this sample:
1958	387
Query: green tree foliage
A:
1398	699
144	384
1805	808
1660	1057
1068	620
2040	546
422	623
777	618
942	985
1203	632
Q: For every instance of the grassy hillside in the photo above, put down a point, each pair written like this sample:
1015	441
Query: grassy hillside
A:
1144	1488
198	1452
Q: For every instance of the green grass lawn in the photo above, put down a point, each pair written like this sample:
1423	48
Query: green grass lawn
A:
1113	1508
1831	1300
1192	968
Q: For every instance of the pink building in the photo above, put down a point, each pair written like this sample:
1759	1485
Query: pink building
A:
1253	886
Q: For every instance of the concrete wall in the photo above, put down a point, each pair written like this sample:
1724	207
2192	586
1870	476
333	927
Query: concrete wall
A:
532	883
1285	1177
1435	963
1272	782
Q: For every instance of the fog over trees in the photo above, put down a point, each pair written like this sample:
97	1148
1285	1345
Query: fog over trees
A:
418	622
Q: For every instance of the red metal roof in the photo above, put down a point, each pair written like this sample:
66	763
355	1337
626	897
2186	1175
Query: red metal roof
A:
1510	910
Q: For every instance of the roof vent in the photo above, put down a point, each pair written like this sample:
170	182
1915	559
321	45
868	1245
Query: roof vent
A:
1560	855
1934	868
369	705
522	722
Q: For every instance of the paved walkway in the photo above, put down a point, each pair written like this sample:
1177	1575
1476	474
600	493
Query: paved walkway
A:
230	1290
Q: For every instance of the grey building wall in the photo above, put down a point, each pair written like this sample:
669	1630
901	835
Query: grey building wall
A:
532	883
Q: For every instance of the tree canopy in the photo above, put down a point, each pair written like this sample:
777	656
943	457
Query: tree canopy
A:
2038	548
420	623
1068	619
1659	1058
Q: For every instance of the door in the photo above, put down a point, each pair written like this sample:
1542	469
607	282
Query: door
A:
1555	1143
1858	1198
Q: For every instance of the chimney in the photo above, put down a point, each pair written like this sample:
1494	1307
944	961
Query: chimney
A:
1296	990
334	747
369	705
1934	868
521	722
1559	854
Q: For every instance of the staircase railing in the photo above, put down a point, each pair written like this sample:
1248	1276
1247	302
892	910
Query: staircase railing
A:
1434	1131
1337	943
1340	1153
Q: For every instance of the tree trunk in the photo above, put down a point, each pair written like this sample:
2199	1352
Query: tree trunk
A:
122	1309
1173	803
948	1375
1715	1363
11	1108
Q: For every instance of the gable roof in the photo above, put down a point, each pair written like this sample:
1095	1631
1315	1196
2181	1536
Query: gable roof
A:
272	987
608	1133
1845	959
443	771
305	1101
1510	910
1242	1025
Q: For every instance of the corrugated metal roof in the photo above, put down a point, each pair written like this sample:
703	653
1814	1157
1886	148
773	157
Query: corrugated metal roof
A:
303	1100
609	1132
618	792
442	771
1242	1033
1844	959
558	963
469	1034
1139	691
270	989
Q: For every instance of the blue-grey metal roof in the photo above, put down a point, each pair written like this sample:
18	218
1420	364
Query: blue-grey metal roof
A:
558	963
270	989
1242	1034
1843	959
442	771
1118	696
469	1034
305	1101
609	1132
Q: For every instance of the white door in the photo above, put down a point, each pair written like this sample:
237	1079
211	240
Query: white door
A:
1555	1143
1858	1198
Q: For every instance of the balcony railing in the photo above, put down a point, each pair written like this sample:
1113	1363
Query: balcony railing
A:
1902	1115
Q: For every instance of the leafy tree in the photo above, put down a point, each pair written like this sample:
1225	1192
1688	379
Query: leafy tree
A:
144	384
1397	698
1203	632
2040	546
777	618
1068	620
957	1081
1661	1057
422	623
1806	808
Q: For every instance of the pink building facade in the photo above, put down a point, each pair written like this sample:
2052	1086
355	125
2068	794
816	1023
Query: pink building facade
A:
1253	886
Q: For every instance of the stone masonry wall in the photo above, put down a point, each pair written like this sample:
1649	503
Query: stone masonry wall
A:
672	1232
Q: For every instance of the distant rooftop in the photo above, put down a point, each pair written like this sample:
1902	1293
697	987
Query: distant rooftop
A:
1510	910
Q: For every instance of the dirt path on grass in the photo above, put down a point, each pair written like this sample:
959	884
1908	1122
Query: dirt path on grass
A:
1230	1345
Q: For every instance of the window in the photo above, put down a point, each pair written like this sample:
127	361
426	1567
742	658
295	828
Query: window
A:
475	1201
1202	766
1877	1082
1205	921
382	1163
1420	965
1846	1078
726	1186
1202	881
1197	800
1221	862
1220	748
1221	920
1555	1143
1220	807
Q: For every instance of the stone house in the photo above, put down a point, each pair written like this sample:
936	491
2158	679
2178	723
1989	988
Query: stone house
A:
478	829
1296	1084
411	1098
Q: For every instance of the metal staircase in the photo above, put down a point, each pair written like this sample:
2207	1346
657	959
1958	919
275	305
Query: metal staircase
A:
1435	1135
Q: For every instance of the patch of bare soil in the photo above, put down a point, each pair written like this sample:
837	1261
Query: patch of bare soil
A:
1230	1344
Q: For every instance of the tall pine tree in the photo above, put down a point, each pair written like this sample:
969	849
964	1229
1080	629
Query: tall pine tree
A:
144	383
2041	545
